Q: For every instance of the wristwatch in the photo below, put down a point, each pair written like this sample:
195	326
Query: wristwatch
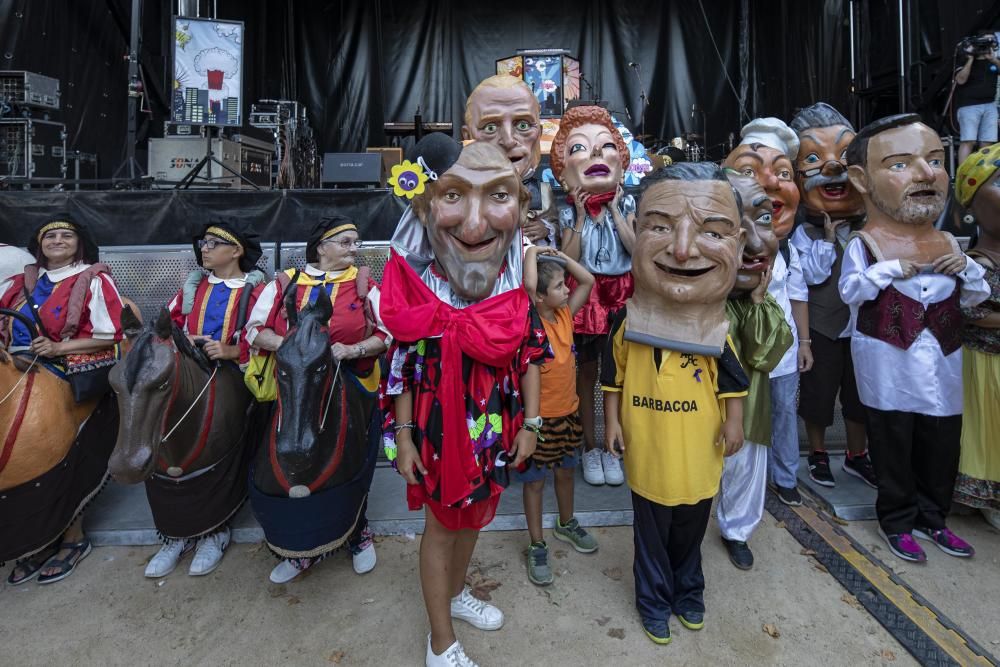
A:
535	422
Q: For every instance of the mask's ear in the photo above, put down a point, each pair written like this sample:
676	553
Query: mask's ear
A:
858	177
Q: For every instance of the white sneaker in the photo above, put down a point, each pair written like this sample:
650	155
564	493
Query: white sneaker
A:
593	471
208	555
288	569
467	607
613	474
166	559
453	656
992	517
364	561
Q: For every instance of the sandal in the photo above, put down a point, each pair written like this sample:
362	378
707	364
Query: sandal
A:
77	552
32	564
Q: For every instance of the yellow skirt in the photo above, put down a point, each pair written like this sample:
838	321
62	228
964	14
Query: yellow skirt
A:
979	470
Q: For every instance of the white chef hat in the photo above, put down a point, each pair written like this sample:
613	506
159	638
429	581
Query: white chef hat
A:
773	133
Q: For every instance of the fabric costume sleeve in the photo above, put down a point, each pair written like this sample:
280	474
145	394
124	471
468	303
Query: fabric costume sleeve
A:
973	312
261	312
613	358
815	257
763	332
535	349
374	299
795	283
241	336
174	307
732	380
105	310
974	288
860	282
567	217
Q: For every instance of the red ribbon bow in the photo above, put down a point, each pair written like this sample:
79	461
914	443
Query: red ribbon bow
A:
594	202
489	332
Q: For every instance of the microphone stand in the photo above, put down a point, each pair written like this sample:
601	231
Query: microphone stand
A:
642	98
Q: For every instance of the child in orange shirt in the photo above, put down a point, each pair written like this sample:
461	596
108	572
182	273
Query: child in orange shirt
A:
560	433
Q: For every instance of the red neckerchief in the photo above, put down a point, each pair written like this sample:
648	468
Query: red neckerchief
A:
594	202
490	332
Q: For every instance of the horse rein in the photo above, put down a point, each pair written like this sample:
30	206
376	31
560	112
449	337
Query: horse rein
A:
197	398
25	374
329	397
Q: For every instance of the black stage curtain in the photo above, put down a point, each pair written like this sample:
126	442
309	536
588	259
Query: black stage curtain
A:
359	63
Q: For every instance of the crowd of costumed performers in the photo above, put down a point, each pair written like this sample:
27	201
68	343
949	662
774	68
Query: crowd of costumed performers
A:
708	309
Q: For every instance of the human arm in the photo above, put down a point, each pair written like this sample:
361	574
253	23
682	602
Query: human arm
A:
534	227
585	283
530	272
258	330
612	383
408	461
614	440
625	224
572	221
46	347
526	440
962	74
800	315
731	434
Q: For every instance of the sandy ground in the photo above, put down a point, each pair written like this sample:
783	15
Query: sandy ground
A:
965	590
108	614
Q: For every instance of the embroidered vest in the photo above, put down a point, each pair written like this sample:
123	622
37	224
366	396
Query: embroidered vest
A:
62	312
898	319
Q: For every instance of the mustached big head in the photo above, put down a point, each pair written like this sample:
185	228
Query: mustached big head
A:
821	165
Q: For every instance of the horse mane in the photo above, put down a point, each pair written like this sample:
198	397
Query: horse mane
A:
142	348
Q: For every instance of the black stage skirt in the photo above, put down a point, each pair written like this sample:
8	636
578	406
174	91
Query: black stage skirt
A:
200	502
35	514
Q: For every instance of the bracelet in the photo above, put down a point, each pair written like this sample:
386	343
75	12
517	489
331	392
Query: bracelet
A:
534	429
361	349
407	425
807	341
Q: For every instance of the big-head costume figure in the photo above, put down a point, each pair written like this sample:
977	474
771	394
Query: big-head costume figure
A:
589	158
767	152
503	111
761	335
906	283
673	385
829	211
462	396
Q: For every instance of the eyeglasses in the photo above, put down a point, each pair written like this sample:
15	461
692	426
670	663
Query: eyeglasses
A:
345	244
211	244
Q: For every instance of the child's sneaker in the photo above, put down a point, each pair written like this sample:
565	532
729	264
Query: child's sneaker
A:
657	630
789	495
574	533
692	620
861	467
467	607
539	571
819	469
453	656
612	465
593	470
946	541
904	546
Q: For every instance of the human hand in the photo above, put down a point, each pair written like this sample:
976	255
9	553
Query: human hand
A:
731	437
341	351
534	229
759	293
215	350
619	193
909	268
408	458
614	441
830	227
805	356
524	446
45	347
949	265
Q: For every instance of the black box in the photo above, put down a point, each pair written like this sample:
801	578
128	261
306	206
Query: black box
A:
352	169
32	148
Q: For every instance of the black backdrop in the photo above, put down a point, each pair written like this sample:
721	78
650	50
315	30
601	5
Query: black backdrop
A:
359	63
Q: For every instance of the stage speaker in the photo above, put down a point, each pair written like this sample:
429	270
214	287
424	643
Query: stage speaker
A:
352	170
391	156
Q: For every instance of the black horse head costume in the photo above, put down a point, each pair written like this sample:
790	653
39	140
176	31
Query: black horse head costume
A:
318	411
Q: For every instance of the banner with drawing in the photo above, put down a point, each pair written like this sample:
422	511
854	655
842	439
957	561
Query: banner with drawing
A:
208	72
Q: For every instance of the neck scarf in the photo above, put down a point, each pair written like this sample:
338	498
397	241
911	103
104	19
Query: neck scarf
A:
594	202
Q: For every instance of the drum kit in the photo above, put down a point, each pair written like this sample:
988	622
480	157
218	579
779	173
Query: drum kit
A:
686	148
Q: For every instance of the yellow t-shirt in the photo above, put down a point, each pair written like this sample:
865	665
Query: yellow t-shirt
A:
559	373
671	413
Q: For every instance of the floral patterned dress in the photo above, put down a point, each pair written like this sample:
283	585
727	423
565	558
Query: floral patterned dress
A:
493	412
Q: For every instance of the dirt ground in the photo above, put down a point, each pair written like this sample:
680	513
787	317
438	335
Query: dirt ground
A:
783	612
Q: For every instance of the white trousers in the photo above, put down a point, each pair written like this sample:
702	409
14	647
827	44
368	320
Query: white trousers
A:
741	492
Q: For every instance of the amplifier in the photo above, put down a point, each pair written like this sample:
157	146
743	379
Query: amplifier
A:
171	158
32	148
391	156
27	89
352	169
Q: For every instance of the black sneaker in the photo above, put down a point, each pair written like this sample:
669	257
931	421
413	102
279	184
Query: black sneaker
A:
861	467
739	554
819	469
790	497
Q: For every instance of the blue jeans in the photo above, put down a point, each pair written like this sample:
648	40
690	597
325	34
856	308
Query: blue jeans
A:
783	454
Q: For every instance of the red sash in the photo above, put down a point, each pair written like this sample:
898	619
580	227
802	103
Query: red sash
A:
489	332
